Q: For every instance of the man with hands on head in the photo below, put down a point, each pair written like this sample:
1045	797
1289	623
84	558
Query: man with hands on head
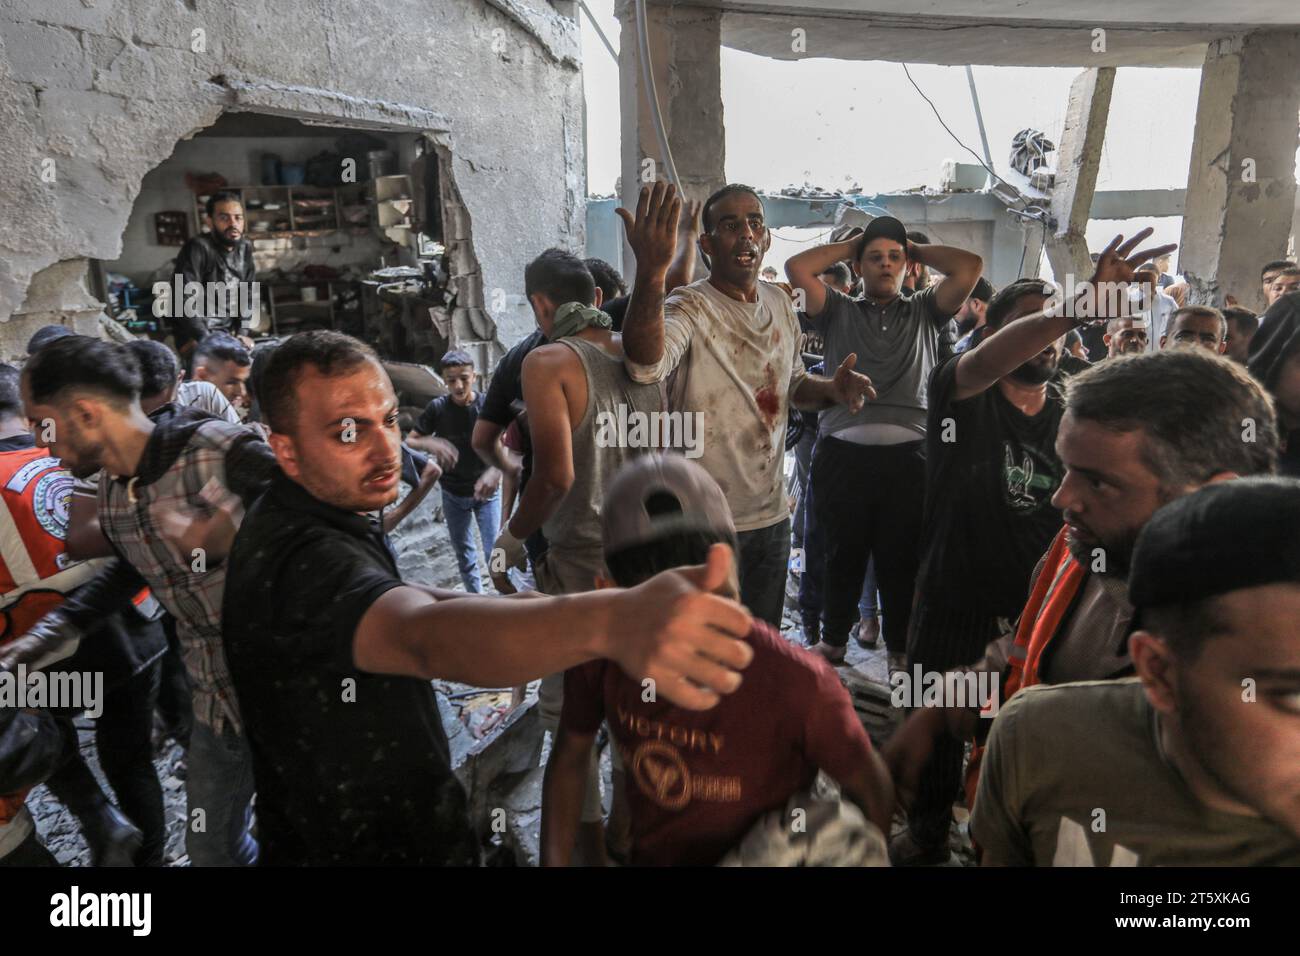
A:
869	468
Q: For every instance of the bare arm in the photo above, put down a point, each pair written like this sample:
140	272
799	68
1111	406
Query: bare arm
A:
444	451
652	233
428	478
682	271
871	788
846	388
544	379
668	629
562	795
805	269
1006	350
509	487
961	270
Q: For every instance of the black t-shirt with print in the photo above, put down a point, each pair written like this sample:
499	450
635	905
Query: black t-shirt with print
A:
991	472
445	419
350	767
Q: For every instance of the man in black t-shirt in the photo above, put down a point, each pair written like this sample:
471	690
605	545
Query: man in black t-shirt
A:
331	653
991	472
471	489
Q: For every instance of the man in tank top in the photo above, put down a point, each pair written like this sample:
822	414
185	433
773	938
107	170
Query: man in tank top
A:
586	418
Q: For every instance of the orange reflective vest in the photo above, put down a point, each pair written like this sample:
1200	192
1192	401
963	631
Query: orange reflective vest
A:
1053	594
35	573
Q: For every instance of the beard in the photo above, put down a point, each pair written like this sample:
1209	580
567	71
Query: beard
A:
81	457
1117	554
1036	371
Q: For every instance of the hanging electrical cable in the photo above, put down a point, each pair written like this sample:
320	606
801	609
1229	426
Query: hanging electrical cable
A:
652	94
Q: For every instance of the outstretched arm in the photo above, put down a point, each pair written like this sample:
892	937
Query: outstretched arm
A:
670	629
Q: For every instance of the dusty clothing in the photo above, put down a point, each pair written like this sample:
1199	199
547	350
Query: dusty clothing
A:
698	781
575	524
835	833
737	364
1057	754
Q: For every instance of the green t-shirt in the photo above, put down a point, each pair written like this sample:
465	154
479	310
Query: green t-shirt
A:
1074	776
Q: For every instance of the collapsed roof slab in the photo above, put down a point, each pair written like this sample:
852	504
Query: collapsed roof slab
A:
961	32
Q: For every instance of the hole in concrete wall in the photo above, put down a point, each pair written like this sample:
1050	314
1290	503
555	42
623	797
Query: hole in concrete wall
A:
359	230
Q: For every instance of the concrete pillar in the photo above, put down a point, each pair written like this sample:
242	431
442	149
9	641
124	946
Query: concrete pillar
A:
685	45
1241	187
1078	159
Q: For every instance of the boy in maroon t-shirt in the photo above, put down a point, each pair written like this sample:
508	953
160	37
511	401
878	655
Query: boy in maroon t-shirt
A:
698	781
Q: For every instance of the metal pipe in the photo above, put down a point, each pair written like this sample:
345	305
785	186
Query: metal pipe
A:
979	118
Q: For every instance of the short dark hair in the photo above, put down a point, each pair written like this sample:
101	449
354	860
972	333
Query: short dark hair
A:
330	353
11	395
630	566
221	195
223	347
1184	627
1274	266
1190	405
1209	311
839	273
1002	304
159	369
731	189
608	280
561	277
457	357
916	235
45	335
1291	270
1246	320
79	363
983	290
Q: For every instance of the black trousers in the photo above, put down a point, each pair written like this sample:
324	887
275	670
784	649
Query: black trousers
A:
123	739
943	637
869	500
31	852
175	698
763	563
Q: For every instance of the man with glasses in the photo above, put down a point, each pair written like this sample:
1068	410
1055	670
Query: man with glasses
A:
734	344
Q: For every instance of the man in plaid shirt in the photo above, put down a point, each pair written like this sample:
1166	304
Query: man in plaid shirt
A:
179	482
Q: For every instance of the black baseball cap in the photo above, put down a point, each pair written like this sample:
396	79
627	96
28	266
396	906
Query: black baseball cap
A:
885	227
1227	536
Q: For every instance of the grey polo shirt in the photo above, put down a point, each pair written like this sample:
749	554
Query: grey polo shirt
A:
898	345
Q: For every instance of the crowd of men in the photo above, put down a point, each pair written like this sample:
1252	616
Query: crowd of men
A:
1093	513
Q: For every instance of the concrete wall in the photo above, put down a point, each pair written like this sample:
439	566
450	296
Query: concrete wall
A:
92	97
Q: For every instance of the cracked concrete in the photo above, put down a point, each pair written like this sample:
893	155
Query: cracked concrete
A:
93	96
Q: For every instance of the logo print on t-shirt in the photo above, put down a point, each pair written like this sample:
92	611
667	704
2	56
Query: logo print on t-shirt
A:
1029	482
662	775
